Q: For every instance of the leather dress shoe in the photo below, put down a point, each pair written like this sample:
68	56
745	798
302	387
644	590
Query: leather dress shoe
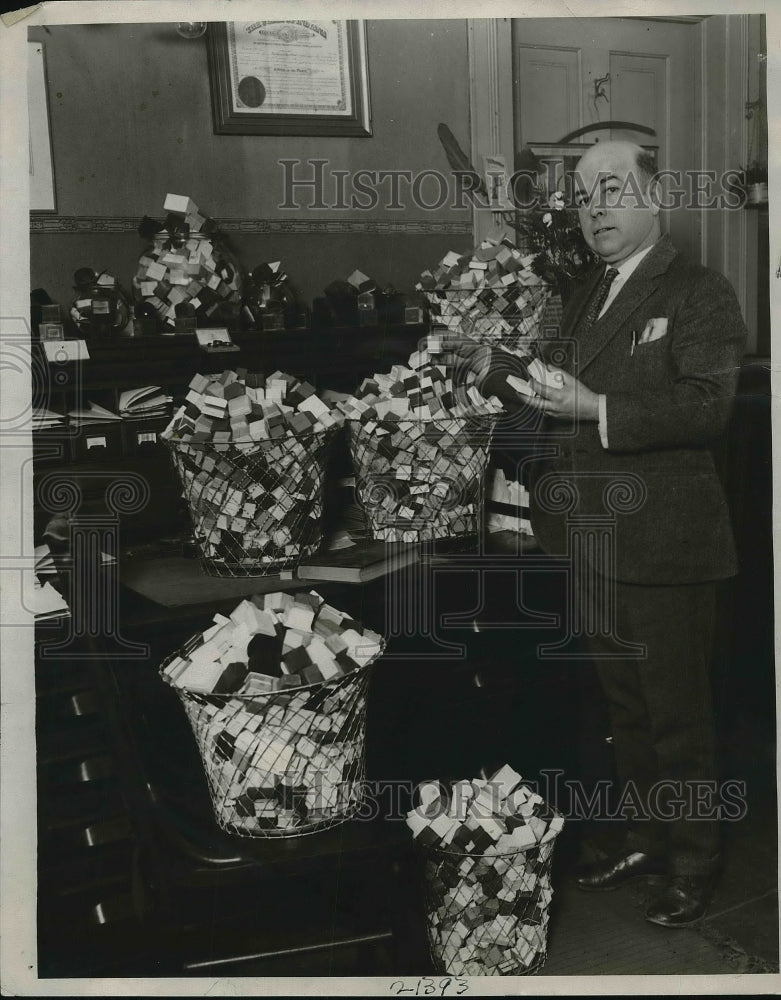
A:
610	874
683	901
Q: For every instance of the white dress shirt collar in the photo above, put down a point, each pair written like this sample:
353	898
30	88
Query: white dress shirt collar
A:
625	270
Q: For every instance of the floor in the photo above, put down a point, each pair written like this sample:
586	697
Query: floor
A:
589	934
451	718
606	933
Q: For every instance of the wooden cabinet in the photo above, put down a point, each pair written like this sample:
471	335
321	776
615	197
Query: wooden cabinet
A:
89	908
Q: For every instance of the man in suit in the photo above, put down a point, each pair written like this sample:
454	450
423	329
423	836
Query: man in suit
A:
646	364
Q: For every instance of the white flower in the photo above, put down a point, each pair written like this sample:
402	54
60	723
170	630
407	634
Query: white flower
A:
547	219
556	200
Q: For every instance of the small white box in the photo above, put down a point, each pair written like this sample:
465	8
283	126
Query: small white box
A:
180	204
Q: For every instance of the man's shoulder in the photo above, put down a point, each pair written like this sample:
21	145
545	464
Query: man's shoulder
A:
690	275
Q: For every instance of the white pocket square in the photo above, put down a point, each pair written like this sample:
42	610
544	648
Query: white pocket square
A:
655	329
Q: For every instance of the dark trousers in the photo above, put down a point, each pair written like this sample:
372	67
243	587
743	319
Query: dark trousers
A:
662	720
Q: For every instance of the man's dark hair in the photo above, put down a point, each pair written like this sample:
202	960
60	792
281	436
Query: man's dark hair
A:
646	164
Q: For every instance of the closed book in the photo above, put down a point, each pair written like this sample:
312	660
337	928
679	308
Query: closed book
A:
360	563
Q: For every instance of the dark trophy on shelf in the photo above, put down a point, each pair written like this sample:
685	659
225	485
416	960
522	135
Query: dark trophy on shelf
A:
101	309
270	302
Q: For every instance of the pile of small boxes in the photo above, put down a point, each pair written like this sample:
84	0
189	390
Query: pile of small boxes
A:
187	270
275	695
250	451
491	295
240	408
420	446
487	876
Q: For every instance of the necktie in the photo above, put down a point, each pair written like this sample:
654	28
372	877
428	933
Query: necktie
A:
598	299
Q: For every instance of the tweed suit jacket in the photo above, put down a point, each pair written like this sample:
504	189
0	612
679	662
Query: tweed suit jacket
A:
667	403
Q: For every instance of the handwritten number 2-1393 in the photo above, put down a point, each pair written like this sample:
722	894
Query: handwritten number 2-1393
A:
425	987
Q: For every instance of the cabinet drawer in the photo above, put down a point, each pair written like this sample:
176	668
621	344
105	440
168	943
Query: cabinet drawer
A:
98	443
142	437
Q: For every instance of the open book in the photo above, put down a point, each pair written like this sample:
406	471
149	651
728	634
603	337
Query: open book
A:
146	401
91	414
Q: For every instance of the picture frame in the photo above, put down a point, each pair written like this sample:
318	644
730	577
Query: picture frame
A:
43	195
297	77
562	157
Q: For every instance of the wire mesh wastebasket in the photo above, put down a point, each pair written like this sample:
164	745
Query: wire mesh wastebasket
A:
422	480
474	314
254	506
285	763
487	915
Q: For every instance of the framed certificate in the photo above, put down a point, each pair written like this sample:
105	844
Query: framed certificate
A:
289	77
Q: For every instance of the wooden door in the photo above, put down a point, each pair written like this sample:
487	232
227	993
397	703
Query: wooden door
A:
571	72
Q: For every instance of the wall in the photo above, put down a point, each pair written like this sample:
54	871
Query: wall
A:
729	238
131	120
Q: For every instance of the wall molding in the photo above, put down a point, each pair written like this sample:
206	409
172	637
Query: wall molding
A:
70	225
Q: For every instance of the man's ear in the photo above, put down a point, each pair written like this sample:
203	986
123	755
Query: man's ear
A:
654	193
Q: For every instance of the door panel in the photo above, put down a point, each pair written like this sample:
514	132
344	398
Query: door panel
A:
554	72
638	90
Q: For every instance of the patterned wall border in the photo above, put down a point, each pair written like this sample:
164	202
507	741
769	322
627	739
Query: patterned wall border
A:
75	224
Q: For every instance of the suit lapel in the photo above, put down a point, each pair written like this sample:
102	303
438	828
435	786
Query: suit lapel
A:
579	303
550	350
639	286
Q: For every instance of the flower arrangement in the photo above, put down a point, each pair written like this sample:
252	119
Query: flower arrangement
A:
554	236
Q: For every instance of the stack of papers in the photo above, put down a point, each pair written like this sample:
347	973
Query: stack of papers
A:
91	414
147	401
39	596
45	419
44	561
43	600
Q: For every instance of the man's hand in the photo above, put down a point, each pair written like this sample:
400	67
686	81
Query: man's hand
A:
564	397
